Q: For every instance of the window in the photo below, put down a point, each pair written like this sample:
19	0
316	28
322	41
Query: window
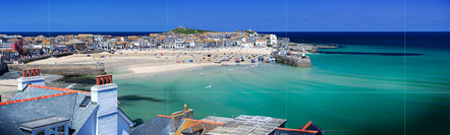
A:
51	129
42	132
85	101
61	130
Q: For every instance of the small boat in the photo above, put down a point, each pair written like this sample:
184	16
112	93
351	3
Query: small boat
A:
242	59
237	60
260	58
253	61
217	61
271	58
267	61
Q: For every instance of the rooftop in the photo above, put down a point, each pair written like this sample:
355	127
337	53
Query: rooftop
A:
43	122
249	125
36	104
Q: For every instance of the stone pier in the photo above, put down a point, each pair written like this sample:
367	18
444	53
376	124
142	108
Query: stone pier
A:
295	61
63	69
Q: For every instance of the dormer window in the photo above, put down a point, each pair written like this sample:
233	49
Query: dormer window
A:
47	126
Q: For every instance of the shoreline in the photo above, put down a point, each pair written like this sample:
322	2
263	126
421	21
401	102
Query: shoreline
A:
158	61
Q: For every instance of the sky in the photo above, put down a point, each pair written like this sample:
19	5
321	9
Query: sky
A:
225	15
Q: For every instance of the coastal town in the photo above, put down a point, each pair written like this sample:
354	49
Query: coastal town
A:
179	38
31	64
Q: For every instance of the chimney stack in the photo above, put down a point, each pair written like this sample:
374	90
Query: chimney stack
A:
30	76
104	93
176	118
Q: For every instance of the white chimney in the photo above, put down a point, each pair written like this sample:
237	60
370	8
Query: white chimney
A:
104	93
30	76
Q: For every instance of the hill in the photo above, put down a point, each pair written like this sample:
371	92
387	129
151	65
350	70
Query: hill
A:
182	30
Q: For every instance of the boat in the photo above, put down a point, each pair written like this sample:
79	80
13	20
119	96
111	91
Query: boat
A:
253	61
271	58
217	61
260	58
237	60
242	59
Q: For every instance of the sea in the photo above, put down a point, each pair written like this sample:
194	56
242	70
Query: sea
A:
389	83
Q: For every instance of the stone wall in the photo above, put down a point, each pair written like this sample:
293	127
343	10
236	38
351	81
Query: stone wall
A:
63	69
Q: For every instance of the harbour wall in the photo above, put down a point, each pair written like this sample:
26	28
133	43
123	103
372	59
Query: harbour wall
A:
294	60
63	69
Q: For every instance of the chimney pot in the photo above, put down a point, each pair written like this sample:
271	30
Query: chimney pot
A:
102	81
106	79
28	73
38	71
98	80
110	78
24	74
32	72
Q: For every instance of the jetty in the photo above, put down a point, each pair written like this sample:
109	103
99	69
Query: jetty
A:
293	60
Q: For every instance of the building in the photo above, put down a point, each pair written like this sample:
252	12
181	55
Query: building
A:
261	43
247	44
42	110
77	44
181	123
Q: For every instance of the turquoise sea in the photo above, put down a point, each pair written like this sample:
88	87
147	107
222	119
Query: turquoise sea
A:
345	94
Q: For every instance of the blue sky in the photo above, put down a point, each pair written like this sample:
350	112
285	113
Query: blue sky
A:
225	15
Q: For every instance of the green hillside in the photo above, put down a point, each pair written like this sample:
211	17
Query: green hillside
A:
182	30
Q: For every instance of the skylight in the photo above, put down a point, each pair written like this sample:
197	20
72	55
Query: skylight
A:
85	101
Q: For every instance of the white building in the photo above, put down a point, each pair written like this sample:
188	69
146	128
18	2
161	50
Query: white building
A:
247	44
38	109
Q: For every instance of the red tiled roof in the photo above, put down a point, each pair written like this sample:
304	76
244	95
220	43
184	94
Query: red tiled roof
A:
307	125
67	92
35	98
59	89
299	130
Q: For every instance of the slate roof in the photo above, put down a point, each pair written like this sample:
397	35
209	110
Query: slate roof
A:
31	92
38	102
43	122
249	125
156	126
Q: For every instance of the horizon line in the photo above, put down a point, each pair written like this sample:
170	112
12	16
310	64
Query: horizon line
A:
211	31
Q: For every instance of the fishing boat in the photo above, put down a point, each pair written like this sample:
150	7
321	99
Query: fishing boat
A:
237	60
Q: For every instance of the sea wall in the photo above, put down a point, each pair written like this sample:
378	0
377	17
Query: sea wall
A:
294	60
63	69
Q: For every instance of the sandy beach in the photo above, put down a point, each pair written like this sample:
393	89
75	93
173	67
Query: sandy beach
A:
156	61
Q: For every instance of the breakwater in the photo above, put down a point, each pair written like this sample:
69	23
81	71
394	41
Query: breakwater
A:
63	69
295	60
27	60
